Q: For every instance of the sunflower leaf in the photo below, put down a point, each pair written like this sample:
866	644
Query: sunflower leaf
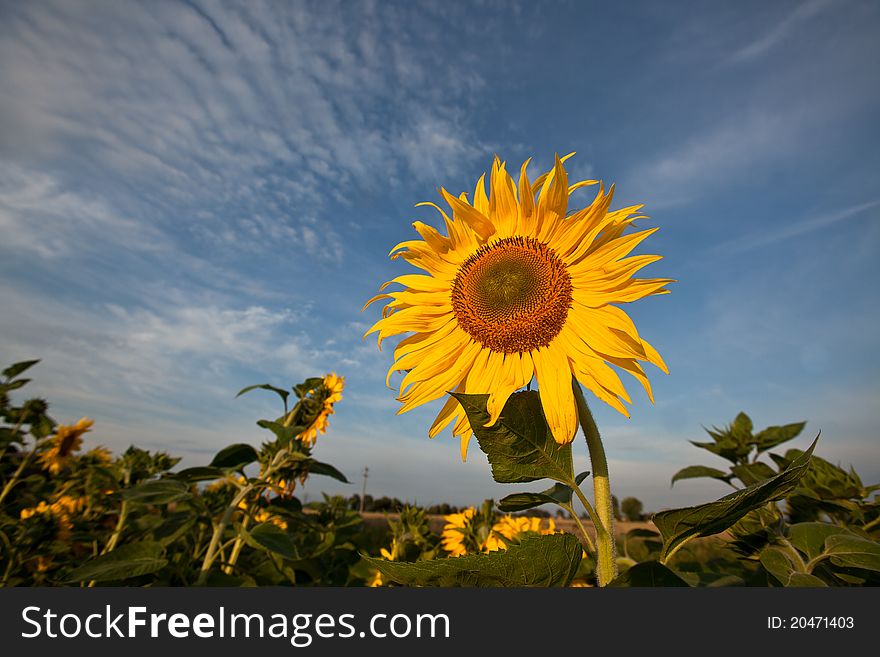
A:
695	471
680	525
127	561
556	494
537	561
234	457
520	445
157	491
649	573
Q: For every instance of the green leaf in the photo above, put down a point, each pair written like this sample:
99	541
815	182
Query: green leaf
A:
680	525
128	561
174	526
777	563
803	580
773	436
282	433
538	561
319	468
742	424
269	536
753	473
284	394
159	491
809	537
695	471
650	573
200	473
853	552
520	445
557	493
234	457
17	368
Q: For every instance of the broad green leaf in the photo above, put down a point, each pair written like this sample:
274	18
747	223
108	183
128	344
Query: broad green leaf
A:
777	563
270	537
853	552
554	495
520	446
695	471
282	433
809	537
319	468
159	491
773	436
200	473
128	561
753	473
17	368
804	580
650	573
234	457
174	526
284	394
538	561
680	525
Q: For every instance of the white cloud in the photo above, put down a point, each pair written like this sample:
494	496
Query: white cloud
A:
241	115
767	237
719	154
777	33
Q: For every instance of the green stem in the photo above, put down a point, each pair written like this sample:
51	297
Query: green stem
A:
24	463
607	550
214	546
589	541
239	543
872	524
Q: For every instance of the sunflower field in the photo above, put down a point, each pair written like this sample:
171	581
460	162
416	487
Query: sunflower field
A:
520	290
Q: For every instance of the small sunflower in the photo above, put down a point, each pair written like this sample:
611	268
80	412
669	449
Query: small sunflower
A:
456	533
63	444
331	391
520	288
516	529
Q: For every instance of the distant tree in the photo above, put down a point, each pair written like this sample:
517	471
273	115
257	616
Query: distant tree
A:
615	507
632	508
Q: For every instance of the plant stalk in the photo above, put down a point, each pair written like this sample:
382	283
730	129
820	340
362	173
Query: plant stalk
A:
606	548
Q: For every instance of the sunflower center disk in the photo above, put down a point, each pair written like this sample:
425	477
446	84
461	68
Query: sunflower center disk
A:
512	295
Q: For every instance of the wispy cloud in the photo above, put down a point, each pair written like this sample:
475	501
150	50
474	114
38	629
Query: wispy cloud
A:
779	32
764	238
231	122
721	153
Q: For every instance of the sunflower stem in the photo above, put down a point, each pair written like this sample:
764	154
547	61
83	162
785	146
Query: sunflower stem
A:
606	549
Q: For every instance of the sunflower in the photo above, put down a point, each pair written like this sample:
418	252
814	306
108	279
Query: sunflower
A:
516	529
331	390
67	439
520	288
457	532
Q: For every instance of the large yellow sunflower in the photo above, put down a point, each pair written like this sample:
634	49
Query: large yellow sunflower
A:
520	288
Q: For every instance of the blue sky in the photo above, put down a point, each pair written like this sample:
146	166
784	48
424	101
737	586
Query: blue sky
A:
199	196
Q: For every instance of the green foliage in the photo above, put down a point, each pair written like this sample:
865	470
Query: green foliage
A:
555	494
551	560
825	533
631	508
520	445
126	562
680	525
648	573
